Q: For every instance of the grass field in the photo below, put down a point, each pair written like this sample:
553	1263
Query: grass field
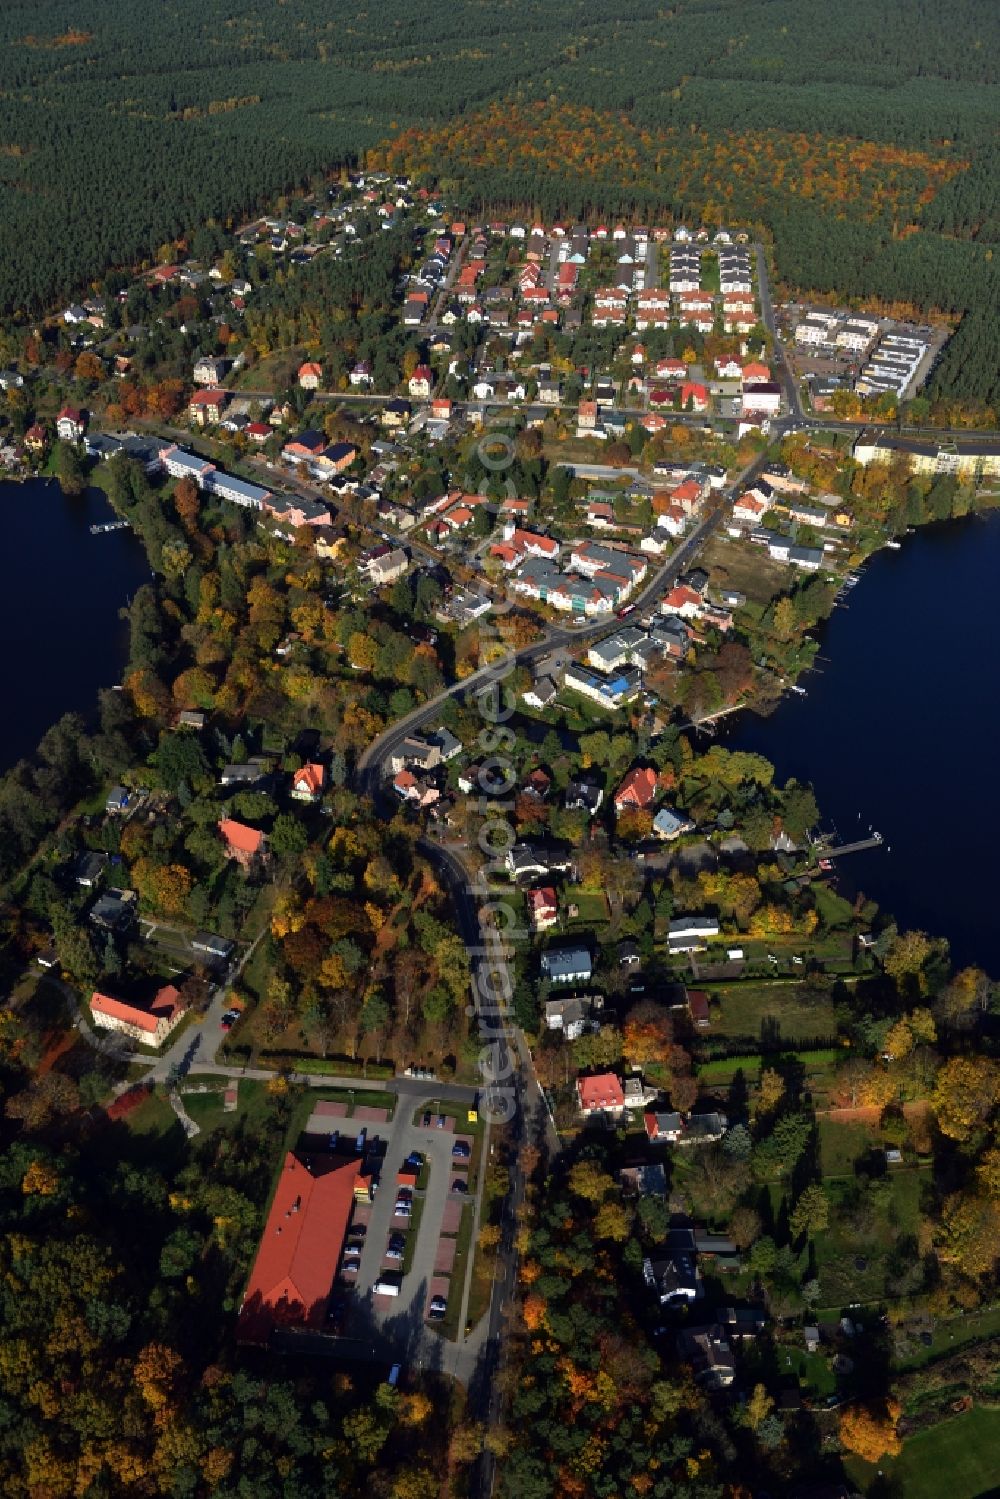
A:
855	1254
153	1117
955	1333
784	1012
593	906
723	1069
959	1458
841	1142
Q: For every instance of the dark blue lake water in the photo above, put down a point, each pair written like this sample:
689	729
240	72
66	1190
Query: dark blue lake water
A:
61	592
900	731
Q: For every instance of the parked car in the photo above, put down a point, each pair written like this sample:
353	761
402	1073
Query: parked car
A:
460	1151
459	1186
437	1308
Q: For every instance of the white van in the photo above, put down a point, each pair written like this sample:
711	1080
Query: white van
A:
386	1288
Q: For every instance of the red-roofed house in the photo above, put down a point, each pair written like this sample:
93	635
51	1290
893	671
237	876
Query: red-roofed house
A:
600	1095
310	375
35	438
638	789
207	406
587	414
671	369
70	424
696	393
258	431
152	1026
543	908
308	782
421	381
756	374
293	1273
683	601
687	496
246	845
698	1007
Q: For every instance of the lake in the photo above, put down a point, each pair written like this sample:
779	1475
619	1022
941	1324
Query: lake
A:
899	731
61	592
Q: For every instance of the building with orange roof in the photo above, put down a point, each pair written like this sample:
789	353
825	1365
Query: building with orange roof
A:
602	1094
756	374
152	1026
248	846
299	1250
638	789
310	375
308	782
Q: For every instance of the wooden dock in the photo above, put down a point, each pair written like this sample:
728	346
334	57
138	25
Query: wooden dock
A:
109	525
859	846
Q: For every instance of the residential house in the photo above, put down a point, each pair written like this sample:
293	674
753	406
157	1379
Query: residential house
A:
694	396
674	1277
361	377
310	375
206	406
637	790
208	371
571	1015
583	796
88	869
690	933
386	565
411	788
70	424
669	824
35	438
308	782
646	1180
709	1354
543	908
698	1008
421	382
662	1128
531	861
566	965
248	846
151	1026
601	1095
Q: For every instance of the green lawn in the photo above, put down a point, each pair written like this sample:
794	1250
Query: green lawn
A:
154	1116
834	911
855	1254
841	1142
207	1110
955	1333
959	1458
593	906
823	1059
784	1011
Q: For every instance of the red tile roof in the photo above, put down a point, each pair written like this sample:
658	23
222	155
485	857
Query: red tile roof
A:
601	1092
638	788
239	837
293	1273
309	778
165	1003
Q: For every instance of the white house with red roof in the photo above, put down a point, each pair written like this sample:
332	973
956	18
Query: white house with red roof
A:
602	1094
310	375
543	908
308	782
206	406
421	382
682	601
695	393
70	424
151	1026
755	373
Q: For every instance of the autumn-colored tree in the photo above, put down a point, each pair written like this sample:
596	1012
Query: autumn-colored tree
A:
647	1034
969	1233
811	1213
870	1432
589	1181
770	1091
157	1372
759	1406
965	1094
165	887
40	1180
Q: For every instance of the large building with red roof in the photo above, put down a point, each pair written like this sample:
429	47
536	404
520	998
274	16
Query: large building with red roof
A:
150	1025
299	1250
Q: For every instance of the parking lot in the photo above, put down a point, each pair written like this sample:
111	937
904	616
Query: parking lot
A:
410	1229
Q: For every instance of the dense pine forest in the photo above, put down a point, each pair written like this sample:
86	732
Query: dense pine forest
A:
123	125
